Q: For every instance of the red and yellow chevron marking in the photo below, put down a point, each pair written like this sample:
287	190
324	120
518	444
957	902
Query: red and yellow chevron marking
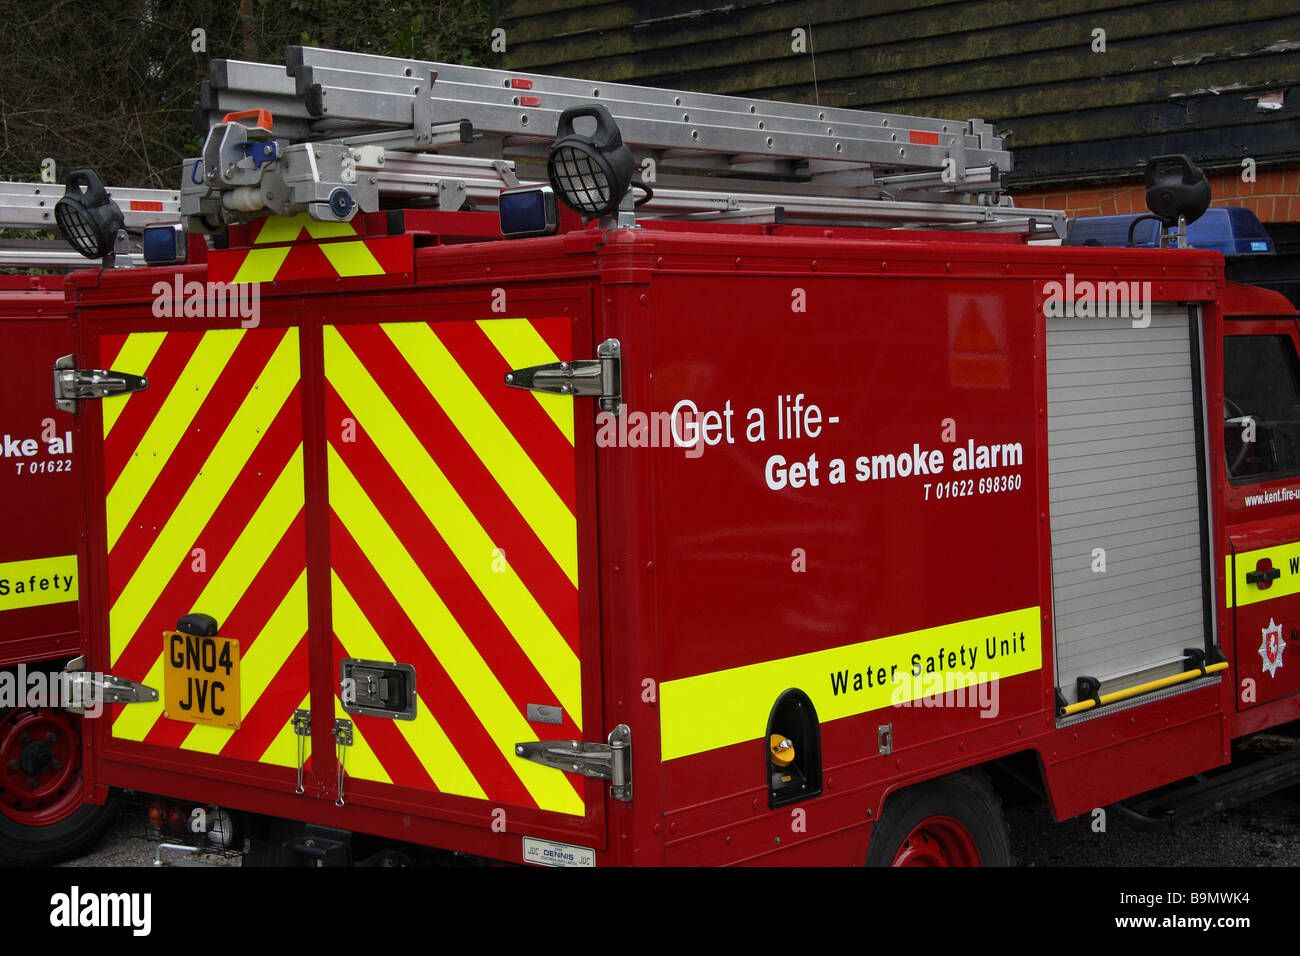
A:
453	548
204	513
337	256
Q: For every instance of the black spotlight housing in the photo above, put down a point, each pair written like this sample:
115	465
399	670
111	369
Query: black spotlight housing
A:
87	216
1176	187
590	174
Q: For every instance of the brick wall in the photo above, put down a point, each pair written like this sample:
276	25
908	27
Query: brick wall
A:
1274	196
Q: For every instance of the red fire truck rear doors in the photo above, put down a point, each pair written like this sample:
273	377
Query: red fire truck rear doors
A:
390	541
197	506
458	550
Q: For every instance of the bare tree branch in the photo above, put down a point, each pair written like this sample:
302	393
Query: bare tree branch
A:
113	86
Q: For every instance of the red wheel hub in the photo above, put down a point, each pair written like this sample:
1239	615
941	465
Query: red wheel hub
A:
40	765
938	841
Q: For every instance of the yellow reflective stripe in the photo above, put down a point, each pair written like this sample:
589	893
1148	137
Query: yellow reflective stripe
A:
282	229
536	636
259	661
283	751
137	352
351	258
242	564
261	265
429	742
1285	558
516	473
329	230
455	652
169	425
136	720
522	346
347	258
732	706
232	451
35	582
252	549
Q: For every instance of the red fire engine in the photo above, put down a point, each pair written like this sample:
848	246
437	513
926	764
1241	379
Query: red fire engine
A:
43	811
692	519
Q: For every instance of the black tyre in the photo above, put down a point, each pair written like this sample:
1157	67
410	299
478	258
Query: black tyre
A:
43	816
67	839
953	821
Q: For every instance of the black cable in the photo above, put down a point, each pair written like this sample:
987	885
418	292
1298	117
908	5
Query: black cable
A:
1133	225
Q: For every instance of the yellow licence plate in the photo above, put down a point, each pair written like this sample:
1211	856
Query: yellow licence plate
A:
201	679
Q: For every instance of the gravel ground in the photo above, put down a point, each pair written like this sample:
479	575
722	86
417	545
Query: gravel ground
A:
128	843
1266	833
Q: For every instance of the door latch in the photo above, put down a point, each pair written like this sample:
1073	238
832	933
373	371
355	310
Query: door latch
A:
377	688
83	688
72	384
302	735
342	732
601	377
1264	574
610	761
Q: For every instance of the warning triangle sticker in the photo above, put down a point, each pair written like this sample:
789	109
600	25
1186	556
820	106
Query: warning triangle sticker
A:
973	335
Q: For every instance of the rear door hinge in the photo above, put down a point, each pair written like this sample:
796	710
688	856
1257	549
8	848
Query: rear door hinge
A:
601	377
85	689
610	761
72	384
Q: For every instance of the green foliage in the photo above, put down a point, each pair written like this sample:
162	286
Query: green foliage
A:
112	86
420	30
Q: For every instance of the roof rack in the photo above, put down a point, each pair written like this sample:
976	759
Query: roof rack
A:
382	127
31	206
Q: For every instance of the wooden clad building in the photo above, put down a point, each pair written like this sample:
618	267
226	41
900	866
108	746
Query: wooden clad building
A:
1088	89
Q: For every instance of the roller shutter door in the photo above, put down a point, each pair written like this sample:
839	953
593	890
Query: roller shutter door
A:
1122	438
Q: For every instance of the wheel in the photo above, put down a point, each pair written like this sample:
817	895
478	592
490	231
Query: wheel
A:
953	821
43	814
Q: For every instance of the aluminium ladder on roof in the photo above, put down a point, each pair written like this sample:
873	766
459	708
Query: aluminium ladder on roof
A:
851	165
31	206
329	94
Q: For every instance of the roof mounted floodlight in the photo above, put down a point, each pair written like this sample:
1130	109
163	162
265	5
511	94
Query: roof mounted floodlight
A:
591	174
1176	189
87	216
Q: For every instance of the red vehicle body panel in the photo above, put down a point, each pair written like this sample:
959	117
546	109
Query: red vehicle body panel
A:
688	561
38	483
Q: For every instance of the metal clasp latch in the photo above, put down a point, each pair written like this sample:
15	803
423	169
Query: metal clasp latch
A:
82	688
601	377
377	688
72	384
610	761
342	741
302	735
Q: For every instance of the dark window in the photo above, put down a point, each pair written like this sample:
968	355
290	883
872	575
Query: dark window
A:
1261	399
